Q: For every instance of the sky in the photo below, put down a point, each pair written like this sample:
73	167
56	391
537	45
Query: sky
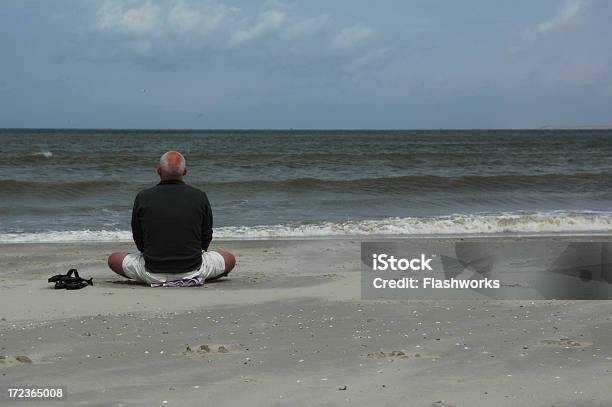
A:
405	64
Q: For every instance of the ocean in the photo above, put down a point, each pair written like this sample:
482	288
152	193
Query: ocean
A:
75	185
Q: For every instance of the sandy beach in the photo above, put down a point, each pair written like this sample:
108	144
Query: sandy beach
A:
288	327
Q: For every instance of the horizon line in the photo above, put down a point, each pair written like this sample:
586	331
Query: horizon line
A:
548	127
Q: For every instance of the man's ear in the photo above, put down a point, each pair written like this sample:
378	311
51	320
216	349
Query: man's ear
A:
185	171
158	170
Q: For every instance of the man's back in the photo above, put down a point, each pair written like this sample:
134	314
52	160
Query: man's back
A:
171	225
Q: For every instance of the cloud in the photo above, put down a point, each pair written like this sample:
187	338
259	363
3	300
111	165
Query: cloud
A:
139	19
203	19
148	19
569	15
352	37
267	21
308	26
179	33
565	18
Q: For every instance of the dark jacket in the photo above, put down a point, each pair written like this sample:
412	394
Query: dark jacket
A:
171	225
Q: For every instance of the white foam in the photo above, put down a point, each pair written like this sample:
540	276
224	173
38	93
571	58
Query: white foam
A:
543	222
46	154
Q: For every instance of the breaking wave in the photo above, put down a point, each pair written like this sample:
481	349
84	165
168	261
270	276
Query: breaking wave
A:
514	222
45	153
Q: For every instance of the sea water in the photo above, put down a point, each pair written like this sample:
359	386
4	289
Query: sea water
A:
74	185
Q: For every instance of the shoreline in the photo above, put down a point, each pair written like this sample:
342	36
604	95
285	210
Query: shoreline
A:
468	235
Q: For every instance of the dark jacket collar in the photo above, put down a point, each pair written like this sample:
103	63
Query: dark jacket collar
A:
171	181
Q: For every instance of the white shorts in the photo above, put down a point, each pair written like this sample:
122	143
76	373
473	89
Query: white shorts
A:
213	265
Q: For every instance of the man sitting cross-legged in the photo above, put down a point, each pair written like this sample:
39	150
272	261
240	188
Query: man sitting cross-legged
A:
172	228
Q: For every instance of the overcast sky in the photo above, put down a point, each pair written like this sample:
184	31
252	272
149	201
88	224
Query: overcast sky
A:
305	64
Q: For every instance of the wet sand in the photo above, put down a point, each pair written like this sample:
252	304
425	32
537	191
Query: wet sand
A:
288	327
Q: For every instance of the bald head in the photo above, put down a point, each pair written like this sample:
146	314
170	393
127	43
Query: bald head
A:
171	166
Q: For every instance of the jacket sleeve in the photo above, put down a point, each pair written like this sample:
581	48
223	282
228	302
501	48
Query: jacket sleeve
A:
207	224
137	234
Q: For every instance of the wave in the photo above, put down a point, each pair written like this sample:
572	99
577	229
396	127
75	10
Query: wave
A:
73	188
472	224
416	183
425	183
44	153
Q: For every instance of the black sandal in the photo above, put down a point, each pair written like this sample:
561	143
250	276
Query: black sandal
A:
70	281
59	277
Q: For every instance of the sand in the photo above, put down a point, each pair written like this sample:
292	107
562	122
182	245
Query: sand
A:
287	327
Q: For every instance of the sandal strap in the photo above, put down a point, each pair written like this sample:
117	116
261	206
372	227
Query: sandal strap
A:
71	280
